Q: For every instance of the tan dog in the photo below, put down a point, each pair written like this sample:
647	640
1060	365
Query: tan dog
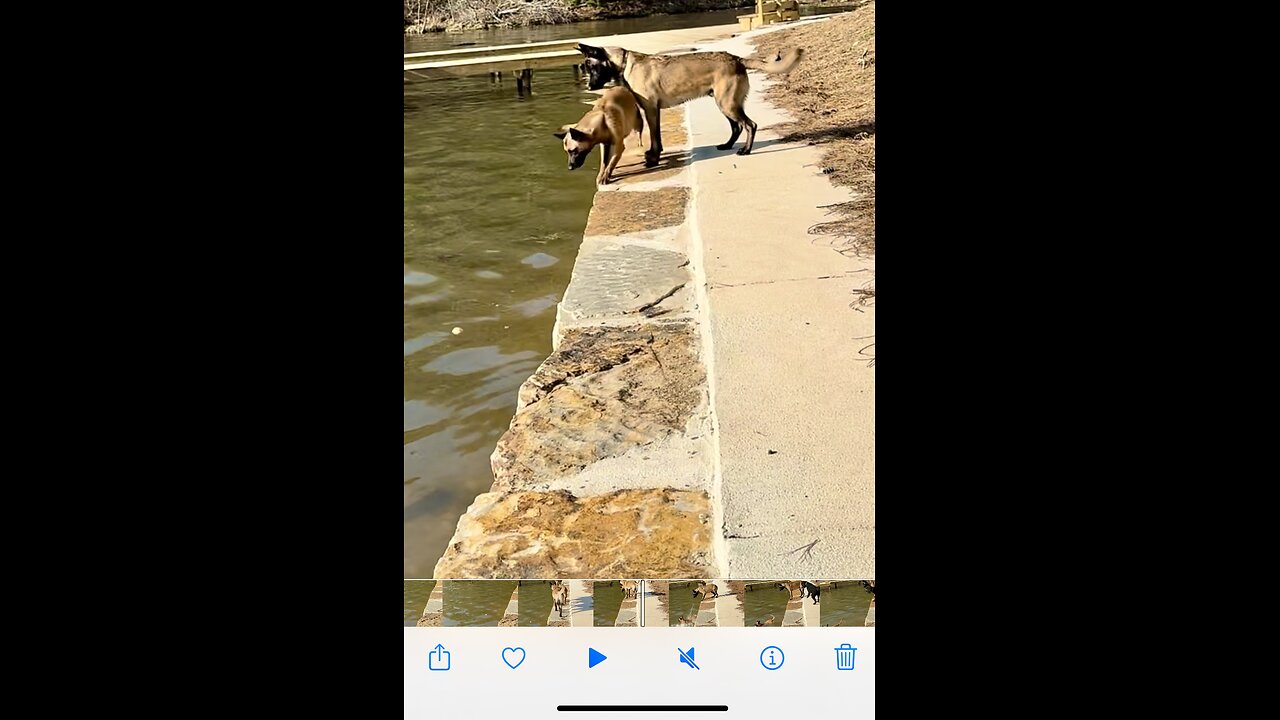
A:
663	81
762	623
559	597
792	587
707	590
608	123
628	588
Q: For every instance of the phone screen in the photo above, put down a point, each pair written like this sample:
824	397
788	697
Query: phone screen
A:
639	359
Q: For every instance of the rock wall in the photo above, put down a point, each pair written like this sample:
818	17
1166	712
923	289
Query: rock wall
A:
606	469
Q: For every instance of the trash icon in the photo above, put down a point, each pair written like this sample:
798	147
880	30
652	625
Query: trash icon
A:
844	656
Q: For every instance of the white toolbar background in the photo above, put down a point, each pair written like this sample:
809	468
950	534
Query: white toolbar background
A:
642	668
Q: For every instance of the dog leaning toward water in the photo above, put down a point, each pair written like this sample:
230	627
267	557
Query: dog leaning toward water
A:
663	81
608	123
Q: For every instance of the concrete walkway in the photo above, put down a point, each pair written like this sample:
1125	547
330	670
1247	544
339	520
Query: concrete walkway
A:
792	380
581	604
812	613
511	616
707	615
628	613
729	612
433	613
801	612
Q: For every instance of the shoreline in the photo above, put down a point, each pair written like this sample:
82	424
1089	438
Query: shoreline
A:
549	12
560	12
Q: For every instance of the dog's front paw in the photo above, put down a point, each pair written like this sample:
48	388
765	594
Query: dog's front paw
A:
725	146
744	151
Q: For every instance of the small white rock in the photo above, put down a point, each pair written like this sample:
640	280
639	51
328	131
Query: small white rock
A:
457	331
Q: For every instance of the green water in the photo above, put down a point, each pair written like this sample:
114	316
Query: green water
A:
846	604
606	601
535	603
416	594
476	603
681	602
492	222
762	600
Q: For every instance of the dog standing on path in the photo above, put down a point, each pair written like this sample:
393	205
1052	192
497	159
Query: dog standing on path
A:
608	123
559	597
707	590
814	591
663	81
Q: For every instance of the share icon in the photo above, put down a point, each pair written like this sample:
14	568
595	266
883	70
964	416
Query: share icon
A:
686	657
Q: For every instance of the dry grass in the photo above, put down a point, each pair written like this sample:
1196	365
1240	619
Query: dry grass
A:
832	95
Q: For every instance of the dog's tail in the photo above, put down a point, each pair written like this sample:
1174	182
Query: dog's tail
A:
782	63
640	127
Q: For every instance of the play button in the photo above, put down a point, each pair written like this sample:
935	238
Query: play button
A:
594	657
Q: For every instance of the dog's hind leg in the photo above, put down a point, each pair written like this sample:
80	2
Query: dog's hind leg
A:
735	129
606	171
603	176
730	103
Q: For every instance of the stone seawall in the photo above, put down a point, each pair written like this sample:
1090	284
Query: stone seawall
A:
606	469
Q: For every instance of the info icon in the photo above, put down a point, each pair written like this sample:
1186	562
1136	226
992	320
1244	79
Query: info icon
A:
771	658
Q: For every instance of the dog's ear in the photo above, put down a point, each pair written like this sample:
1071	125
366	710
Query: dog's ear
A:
564	130
593	52
579	135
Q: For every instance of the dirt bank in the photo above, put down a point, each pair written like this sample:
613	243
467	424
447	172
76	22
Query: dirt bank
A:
832	94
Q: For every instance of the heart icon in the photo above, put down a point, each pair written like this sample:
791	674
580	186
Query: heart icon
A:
514	659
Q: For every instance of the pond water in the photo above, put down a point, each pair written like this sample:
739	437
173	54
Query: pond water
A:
846	604
492	222
608	601
762	600
476	603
